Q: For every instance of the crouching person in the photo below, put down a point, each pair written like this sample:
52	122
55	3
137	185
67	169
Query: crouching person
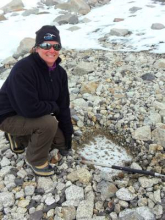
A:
34	103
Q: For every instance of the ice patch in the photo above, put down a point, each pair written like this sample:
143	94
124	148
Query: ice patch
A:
104	151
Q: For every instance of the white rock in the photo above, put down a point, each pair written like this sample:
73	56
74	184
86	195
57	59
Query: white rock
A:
74	193
85	210
142	133
29	190
5	162
4	171
23	203
46	183
145	212
157	196
50	200
125	194
146	183
7	199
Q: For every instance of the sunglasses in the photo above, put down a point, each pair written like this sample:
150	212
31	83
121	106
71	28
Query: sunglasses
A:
47	46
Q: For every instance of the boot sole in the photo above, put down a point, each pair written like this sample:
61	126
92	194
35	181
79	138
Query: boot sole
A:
38	172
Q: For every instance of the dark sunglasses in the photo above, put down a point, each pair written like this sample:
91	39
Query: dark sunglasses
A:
47	46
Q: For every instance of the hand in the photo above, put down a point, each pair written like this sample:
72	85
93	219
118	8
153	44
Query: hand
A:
68	143
56	112
68	146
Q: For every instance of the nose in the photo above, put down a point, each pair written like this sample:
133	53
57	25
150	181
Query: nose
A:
51	49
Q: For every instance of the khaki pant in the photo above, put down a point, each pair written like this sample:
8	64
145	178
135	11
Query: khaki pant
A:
40	135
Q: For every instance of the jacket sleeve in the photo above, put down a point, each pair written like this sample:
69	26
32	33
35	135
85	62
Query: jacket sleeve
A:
64	116
23	95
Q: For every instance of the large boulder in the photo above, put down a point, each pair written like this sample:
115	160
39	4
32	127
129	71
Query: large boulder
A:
77	6
51	2
25	46
34	11
14	5
66	19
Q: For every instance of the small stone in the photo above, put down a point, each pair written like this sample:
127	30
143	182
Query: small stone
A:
125	194
36	215
23	203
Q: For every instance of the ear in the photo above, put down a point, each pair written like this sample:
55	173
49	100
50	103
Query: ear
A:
36	49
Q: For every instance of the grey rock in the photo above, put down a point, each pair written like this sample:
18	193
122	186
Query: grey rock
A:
118	19
9	61
134	9
119	32
46	184
13	5
77	6
80	102
132	216
29	190
144	212
74	193
5	74
2	18
125	194
30	12
135	166
158	210
4	171
106	189
85	210
7	199
25	46
146	182
50	2
82	174
74	28
158	135
66	19
84	68
69	213
142	133
148	77
157	26
157	196
36	215
5	162
160	64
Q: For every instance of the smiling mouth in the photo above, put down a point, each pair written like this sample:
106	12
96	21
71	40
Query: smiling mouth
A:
51	56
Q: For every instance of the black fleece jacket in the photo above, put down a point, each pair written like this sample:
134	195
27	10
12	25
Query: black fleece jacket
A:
32	90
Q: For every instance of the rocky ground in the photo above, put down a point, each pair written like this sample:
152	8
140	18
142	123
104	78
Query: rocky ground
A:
117	93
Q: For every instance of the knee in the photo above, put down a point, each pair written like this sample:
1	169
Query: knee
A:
49	124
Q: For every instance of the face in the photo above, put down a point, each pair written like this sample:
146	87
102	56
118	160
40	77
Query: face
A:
49	56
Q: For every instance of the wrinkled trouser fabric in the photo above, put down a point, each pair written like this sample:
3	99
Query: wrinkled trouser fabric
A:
40	135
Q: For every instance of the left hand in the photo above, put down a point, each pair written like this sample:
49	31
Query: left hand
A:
68	143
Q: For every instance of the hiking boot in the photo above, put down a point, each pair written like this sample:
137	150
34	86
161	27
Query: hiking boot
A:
13	145
43	170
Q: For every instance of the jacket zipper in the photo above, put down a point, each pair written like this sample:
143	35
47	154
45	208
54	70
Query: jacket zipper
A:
50	76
